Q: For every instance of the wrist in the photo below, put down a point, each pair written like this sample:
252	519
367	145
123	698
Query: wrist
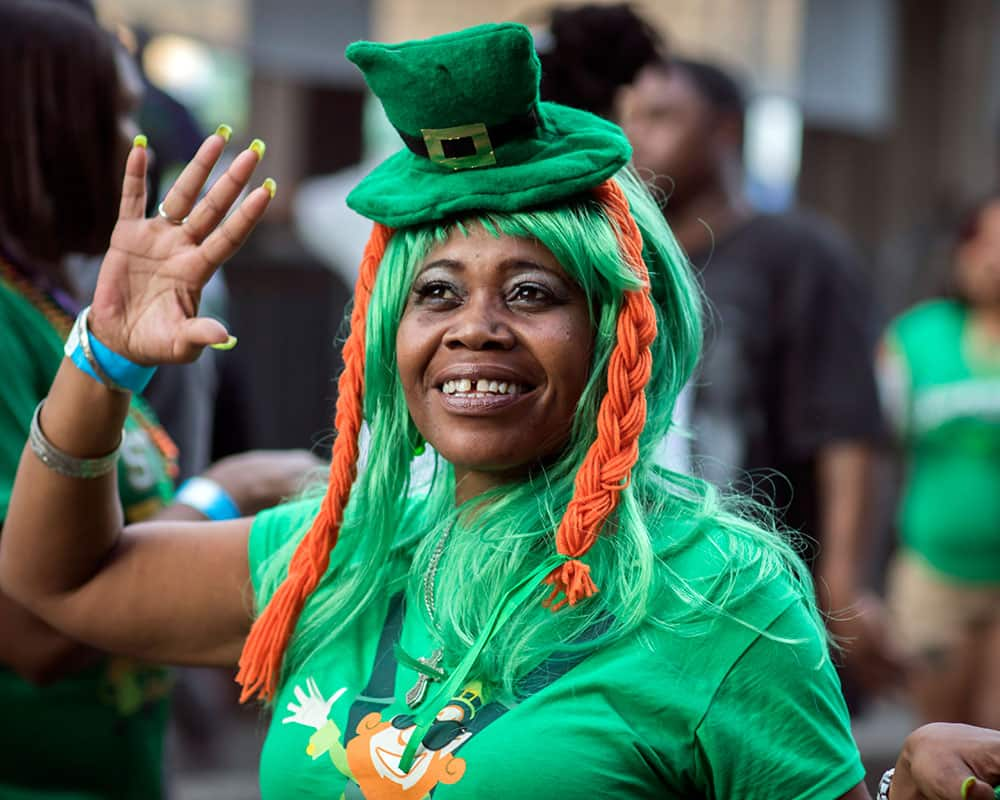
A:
208	498
885	784
91	356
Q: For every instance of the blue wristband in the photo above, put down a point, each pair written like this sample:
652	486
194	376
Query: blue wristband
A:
102	364
209	498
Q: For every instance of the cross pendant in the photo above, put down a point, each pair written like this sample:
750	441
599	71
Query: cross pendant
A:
418	692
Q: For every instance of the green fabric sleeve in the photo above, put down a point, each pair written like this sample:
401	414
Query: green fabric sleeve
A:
778	725
892	372
270	531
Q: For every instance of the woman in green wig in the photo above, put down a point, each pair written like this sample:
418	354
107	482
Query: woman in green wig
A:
547	612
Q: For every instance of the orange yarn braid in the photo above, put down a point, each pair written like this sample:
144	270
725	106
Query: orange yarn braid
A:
260	662
608	464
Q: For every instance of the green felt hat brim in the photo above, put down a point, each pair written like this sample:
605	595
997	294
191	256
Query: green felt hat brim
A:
572	152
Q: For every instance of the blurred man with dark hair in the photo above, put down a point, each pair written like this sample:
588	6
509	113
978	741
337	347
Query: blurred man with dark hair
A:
786	395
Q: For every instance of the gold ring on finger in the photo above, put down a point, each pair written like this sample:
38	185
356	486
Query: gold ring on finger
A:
172	220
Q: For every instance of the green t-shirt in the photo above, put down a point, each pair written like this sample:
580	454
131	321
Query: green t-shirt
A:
948	412
97	734
729	713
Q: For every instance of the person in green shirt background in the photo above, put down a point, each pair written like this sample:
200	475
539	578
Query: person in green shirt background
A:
939	374
76	723
551	613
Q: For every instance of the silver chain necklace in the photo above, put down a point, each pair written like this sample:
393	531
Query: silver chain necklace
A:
431	574
415	696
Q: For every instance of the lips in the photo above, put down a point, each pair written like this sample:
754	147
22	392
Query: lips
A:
481	388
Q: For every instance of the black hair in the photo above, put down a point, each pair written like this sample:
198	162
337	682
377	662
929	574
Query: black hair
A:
721	89
591	51
61	158
86	6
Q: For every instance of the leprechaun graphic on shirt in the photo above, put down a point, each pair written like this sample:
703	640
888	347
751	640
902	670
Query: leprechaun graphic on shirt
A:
371	758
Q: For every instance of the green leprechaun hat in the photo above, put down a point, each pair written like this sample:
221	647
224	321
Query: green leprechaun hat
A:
477	136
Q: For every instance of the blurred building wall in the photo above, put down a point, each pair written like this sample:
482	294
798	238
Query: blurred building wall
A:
757	36
223	22
898	188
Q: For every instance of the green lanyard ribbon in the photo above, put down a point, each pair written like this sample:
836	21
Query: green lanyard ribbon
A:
459	676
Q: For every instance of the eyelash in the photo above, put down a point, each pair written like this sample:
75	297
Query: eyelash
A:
441	292
436	294
542	293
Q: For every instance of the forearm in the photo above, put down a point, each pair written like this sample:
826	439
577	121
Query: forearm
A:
34	650
60	529
844	477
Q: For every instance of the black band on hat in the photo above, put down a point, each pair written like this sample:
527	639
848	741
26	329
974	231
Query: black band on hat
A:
465	146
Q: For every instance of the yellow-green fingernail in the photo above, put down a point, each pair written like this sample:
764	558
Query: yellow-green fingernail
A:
225	132
140	140
258	146
271	186
229	344
967	785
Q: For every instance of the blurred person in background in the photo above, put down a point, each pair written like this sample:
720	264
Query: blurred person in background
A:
939	375
785	385
76	723
785	394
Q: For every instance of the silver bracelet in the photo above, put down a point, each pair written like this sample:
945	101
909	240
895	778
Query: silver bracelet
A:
883	785
63	463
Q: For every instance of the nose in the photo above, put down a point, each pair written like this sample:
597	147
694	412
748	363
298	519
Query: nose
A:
480	324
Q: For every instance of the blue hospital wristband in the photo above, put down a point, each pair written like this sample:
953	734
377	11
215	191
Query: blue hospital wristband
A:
105	366
209	498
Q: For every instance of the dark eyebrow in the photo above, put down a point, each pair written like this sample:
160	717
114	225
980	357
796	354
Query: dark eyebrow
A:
443	263
522	263
508	265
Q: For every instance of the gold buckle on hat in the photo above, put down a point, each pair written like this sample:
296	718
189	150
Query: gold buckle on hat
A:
484	156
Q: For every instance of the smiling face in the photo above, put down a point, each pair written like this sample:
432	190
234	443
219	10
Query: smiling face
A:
494	350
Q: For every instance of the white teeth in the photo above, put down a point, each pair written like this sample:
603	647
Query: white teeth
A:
480	386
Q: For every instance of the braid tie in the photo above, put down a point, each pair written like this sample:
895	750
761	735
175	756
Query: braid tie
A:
607	467
263	652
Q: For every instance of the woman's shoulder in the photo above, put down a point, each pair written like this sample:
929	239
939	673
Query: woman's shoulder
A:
724	565
722	583
276	531
275	528
928	317
734	625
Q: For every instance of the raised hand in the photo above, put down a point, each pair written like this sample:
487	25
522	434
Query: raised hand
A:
146	302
